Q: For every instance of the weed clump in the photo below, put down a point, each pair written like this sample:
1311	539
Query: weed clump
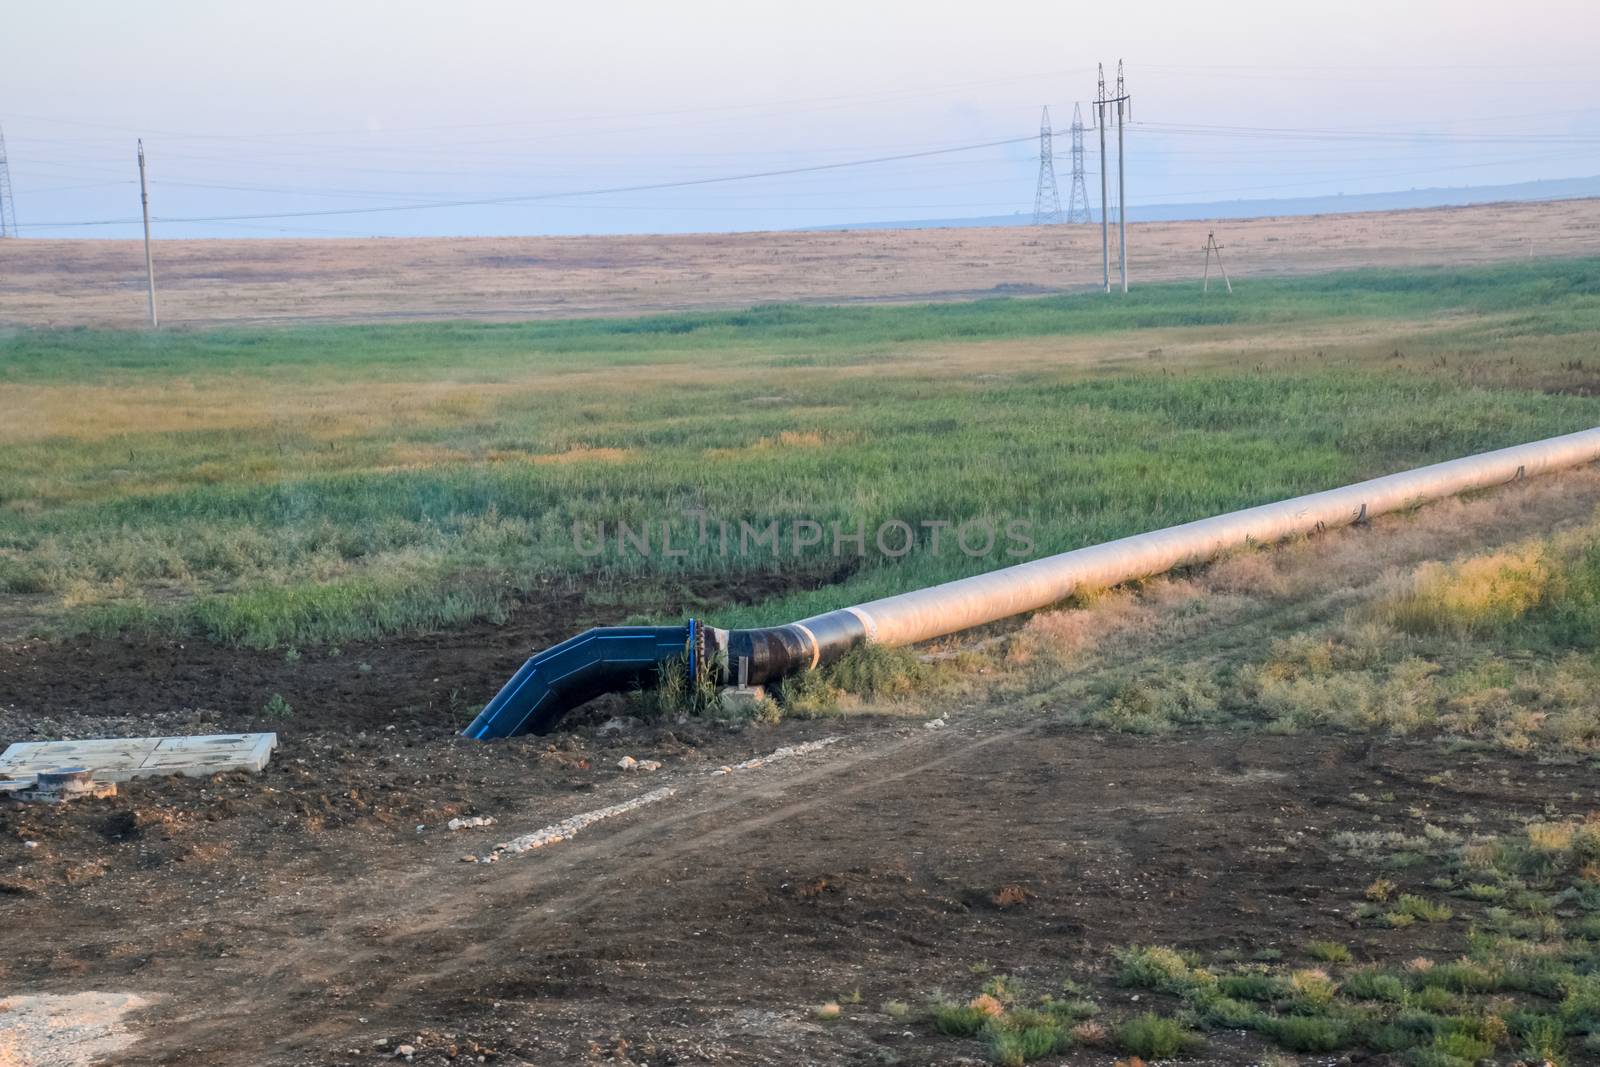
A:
959	1020
1159	968
1422	909
1249	985
874	671
676	694
1328	951
807	695
1312	987
1474	596
1154	1036
1375	985
1307	1033
1016	1041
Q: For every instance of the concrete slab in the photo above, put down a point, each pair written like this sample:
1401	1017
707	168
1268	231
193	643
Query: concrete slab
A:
112	759
117	759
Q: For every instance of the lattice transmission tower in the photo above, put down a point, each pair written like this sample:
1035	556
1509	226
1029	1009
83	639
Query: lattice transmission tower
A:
1078	192
1047	200
8	210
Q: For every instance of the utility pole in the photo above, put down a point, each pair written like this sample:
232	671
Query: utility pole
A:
1046	198
149	264
1078	195
1122	181
8	209
1105	219
1212	246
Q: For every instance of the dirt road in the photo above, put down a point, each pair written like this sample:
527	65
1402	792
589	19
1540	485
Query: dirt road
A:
707	929
101	283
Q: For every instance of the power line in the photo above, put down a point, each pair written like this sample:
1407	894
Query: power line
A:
605	191
567	194
1337	135
772	108
1329	138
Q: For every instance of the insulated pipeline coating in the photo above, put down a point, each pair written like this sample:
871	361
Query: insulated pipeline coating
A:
984	598
614	659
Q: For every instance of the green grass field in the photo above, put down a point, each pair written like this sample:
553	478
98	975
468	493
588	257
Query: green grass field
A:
289	486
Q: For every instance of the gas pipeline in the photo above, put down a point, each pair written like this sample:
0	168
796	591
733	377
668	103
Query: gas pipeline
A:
611	659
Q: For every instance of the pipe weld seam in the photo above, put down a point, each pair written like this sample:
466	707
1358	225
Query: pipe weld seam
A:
816	649
867	623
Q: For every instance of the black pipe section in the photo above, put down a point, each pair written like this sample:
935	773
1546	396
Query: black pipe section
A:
607	659
615	659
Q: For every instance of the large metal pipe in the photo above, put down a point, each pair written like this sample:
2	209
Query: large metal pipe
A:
766	654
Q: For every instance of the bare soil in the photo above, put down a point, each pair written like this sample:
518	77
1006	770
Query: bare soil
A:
101	283
306	914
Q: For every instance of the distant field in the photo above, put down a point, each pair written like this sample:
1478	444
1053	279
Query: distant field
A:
101	283
319	484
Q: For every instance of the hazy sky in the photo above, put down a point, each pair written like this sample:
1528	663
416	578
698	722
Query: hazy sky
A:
337	106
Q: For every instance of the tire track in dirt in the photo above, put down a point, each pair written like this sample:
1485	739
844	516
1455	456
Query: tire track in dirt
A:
474	922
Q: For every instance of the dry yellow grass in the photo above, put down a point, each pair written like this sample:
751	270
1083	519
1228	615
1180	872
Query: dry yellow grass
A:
1466	596
66	282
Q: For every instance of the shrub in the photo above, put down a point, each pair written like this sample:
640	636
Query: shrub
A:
1423	909
988	1004
1012	1047
1219	1012
1462	977
1538	975
1455	1049
1375	985
958	1020
1476	595
872	670
1543	1038
1090	1032
1387	1037
1153	1036
1572	612
1070	1010
1249	985
1425	1024
808	694
1313	987
277	708
1307	1033
1488	1028
1434	999
1156	967
1157	705
1328	952
1581	1005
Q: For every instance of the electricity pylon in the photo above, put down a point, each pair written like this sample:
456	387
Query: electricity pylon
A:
1047	200
1078	192
8	210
